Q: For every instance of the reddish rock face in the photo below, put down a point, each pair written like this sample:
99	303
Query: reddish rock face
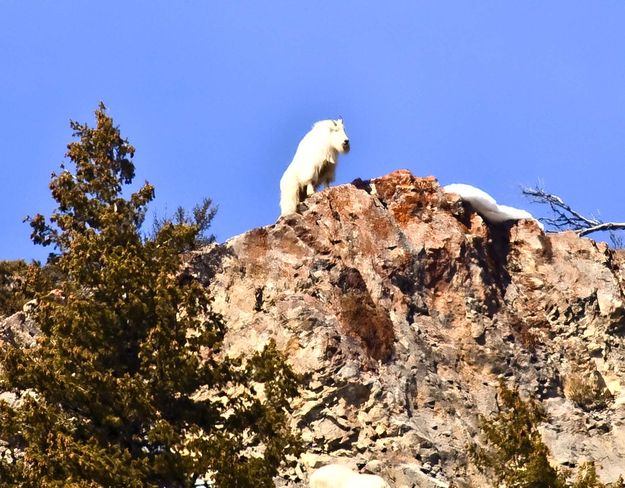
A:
403	309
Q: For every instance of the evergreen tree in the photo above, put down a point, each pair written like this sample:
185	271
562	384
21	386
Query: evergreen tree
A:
12	296
587	477
126	386
201	216
514	453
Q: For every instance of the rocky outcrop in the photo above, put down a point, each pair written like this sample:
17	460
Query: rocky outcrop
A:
402	310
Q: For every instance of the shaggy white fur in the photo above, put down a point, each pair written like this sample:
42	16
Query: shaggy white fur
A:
330	476
314	163
339	476
487	206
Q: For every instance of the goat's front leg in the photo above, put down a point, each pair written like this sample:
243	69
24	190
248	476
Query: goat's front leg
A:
310	189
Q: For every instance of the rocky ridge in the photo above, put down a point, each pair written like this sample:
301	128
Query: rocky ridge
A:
403	310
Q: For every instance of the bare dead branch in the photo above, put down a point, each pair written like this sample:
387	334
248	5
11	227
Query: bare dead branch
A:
603	226
617	240
566	218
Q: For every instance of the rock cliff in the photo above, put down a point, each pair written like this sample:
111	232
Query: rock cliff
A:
403	310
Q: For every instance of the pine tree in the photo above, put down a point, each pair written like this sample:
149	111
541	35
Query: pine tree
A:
514	453
126	386
587	477
12	296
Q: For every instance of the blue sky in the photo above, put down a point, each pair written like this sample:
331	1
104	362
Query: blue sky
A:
216	95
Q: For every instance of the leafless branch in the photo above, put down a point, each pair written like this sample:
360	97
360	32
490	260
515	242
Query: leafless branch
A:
566	218
602	226
617	240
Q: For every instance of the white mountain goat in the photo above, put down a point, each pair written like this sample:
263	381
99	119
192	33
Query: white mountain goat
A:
314	163
486	206
339	476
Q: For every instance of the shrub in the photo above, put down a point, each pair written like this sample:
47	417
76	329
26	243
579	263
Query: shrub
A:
586	389
514	454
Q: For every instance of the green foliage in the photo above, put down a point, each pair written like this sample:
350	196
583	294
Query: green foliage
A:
587	477
514	453
12	294
201	217
583	388
18	284
126	385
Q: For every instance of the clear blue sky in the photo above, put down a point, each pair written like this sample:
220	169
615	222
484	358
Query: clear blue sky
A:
216	95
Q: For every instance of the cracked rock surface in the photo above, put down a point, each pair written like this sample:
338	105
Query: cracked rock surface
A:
402	310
